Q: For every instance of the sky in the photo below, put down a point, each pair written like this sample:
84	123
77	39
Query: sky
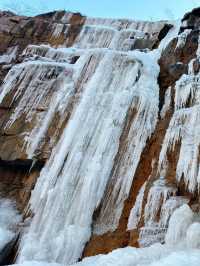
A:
134	9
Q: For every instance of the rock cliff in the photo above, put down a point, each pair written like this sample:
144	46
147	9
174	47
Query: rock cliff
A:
100	118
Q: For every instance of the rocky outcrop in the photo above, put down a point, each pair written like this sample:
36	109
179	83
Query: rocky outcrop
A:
80	106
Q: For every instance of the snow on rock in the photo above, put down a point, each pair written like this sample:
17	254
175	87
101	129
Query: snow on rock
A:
83	170
97	86
180	249
81	166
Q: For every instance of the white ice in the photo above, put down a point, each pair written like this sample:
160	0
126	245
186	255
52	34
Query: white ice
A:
9	219
81	165
184	129
175	252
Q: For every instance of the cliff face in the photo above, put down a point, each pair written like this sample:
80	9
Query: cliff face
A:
101	116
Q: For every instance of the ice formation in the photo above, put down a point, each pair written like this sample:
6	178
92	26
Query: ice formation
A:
130	257
103	94
95	83
173	253
181	219
167	103
169	206
162	201
9	55
184	129
181	248
67	169
136	212
158	194
141	129
193	235
9	219
155	213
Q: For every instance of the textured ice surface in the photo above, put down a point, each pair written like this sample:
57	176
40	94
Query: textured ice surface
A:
167	103
132	257
9	55
184	129
9	218
136	211
81	167
82	164
181	219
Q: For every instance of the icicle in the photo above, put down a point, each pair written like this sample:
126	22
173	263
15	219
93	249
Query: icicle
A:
63	95
58	28
135	214
141	129
184	127
79	168
157	196
49	54
167	103
81	165
154	229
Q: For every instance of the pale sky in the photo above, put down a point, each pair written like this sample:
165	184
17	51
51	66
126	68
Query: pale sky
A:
134	9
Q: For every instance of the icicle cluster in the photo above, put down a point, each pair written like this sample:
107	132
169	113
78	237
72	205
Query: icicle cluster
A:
155	213
99	84
184	129
157	196
136	211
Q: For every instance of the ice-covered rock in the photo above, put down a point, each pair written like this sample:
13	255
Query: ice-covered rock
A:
110	110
